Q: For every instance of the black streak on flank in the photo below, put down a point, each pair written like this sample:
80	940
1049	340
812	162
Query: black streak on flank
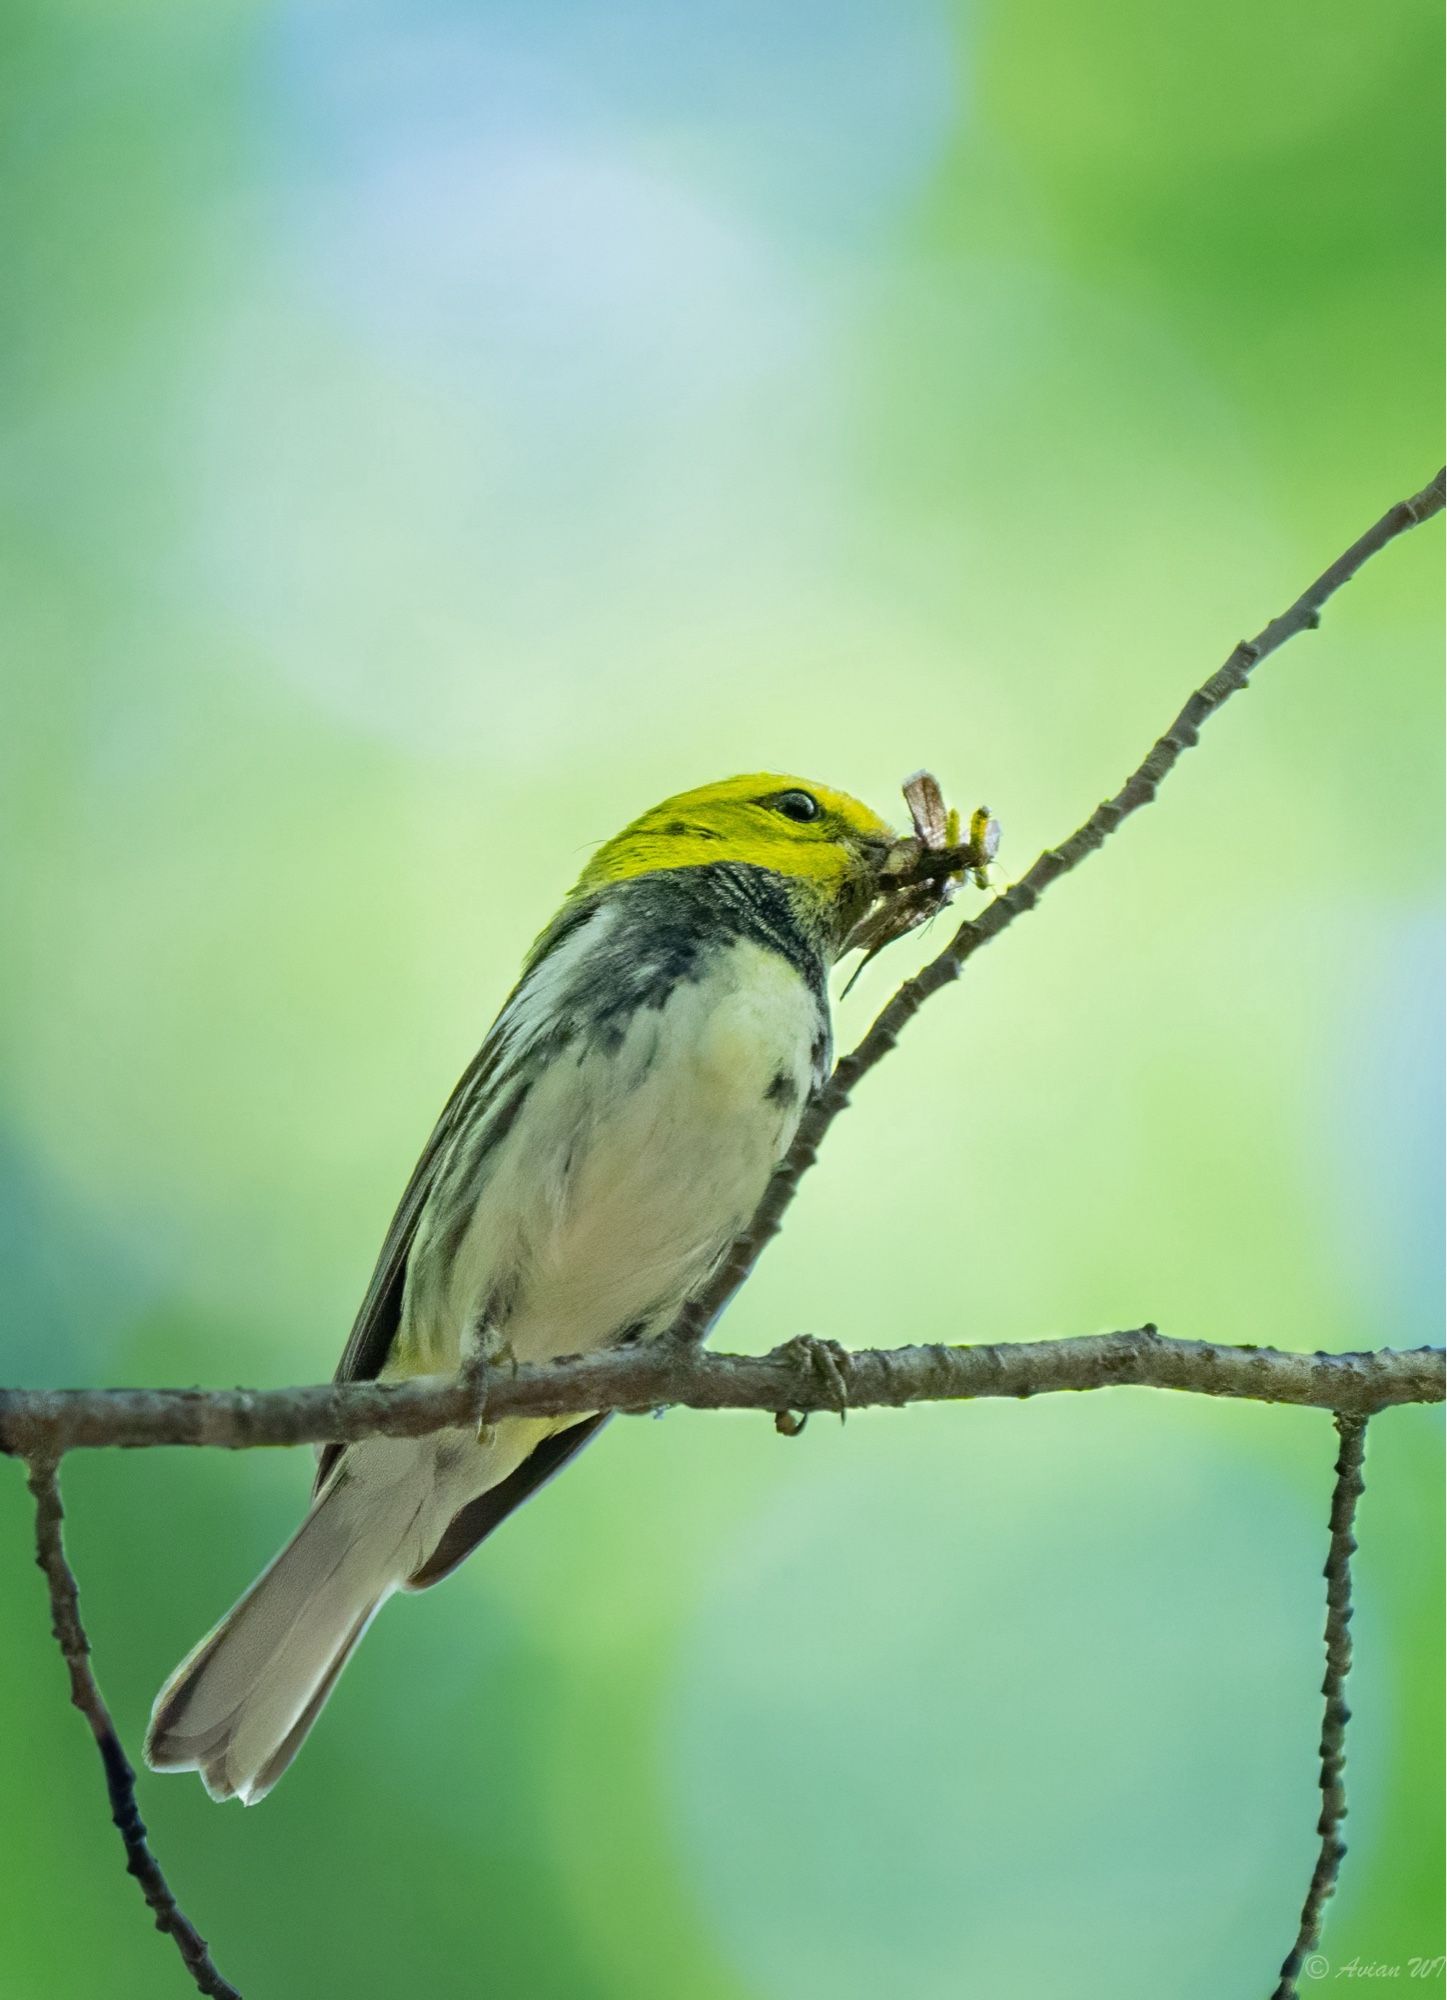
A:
608	1036
821	1054
781	1090
497	1310
456	1198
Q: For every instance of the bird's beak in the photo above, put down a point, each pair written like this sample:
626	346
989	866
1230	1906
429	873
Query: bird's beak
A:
880	849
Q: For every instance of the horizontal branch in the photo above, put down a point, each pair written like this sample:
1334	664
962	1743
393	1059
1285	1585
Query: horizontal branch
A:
793	1377
803	1374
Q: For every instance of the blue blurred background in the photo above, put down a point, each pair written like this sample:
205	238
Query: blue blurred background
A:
428	434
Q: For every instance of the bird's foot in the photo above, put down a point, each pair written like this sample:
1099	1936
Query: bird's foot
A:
828	1363
483	1349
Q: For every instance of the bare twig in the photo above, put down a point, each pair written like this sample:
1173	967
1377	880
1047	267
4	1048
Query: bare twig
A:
1345	1495
652	1375
1137	791
41	1425
71	1637
240	1417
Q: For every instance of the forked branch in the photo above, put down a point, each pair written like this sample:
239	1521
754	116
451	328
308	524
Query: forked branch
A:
804	1375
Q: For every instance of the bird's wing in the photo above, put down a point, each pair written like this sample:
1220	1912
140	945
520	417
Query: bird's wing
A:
376	1323
475	1522
528	1021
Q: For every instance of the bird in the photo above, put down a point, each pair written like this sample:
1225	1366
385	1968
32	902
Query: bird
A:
612	1136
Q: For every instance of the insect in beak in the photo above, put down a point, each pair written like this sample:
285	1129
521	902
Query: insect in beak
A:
910	893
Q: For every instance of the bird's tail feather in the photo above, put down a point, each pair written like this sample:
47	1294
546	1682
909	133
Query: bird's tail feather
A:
240	1704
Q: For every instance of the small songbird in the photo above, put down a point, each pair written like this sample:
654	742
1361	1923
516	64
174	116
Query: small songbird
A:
611	1137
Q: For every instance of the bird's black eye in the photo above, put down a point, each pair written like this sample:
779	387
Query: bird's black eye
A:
800	806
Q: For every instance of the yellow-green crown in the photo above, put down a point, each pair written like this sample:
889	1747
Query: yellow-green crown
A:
820	838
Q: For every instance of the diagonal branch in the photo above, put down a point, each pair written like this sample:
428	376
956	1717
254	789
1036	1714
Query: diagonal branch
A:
70	1636
1338	1573
803	1374
1138	790
37	1421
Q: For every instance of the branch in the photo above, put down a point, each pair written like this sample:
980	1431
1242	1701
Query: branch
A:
1138	790
803	1374
53	1421
70	1636
806	1374
1338	1573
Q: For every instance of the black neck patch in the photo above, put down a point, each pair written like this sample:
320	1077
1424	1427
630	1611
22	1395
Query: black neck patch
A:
666	927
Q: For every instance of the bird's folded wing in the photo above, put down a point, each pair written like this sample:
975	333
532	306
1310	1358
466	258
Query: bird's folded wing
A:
376	1323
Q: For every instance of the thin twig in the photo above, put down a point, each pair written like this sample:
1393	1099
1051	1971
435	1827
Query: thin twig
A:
71	1637
654	1374
1345	1495
343	1413
1137	791
41	1425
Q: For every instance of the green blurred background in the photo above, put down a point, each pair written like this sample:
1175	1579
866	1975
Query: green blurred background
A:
432	432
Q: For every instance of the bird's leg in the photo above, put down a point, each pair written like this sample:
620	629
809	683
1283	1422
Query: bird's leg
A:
483	1346
828	1363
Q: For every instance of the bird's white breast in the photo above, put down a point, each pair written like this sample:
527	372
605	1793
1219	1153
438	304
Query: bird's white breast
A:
633	1162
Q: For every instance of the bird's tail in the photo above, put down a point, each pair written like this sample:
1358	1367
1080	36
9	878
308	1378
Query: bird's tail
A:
239	1706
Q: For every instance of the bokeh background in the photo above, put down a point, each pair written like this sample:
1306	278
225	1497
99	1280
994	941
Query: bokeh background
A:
430	433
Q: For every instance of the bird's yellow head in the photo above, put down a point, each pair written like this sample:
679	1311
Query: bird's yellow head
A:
827	845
